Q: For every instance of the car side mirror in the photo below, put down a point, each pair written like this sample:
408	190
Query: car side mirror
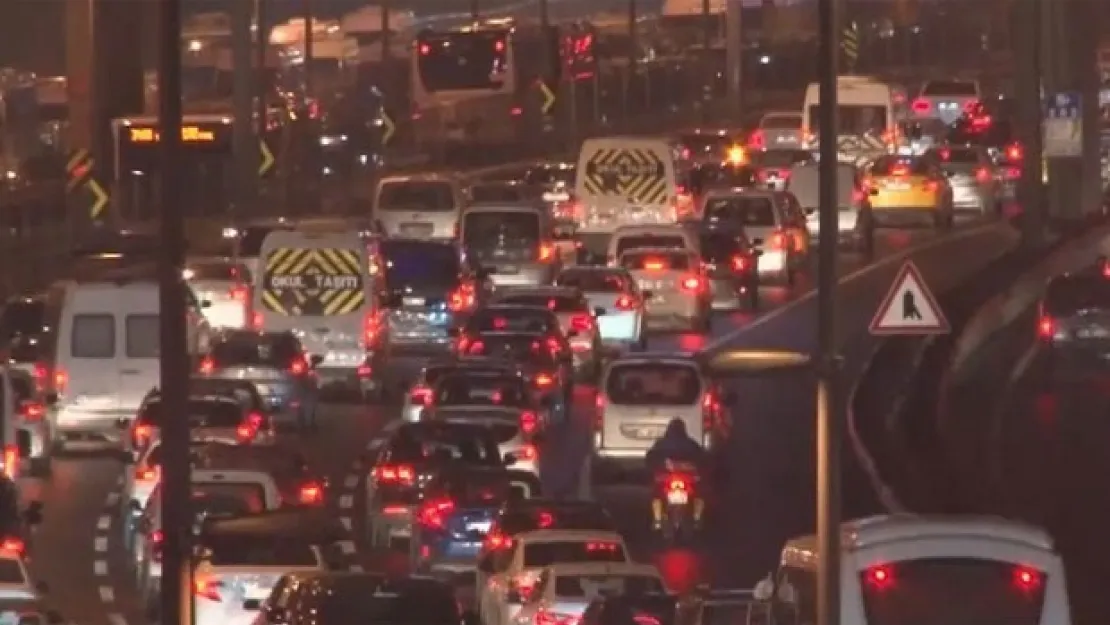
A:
53	617
51	399
42	587
599	312
316	359
252	605
33	514
509	459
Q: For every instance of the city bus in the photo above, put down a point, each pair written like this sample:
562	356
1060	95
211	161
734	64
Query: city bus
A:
900	569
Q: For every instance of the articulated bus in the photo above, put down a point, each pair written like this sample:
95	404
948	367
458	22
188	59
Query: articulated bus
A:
472	85
927	569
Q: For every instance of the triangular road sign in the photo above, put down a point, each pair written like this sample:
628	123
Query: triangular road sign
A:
909	308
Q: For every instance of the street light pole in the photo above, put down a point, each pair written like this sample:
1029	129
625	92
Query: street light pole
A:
177	595
828	405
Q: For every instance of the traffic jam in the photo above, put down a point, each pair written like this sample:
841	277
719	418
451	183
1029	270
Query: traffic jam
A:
479	310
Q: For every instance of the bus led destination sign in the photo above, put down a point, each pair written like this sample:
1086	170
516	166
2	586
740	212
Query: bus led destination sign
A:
189	134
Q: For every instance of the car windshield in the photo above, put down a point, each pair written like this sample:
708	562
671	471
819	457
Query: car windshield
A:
416	196
227	498
1069	295
475	390
554	303
743	210
473	445
592	281
420	264
653	384
234	549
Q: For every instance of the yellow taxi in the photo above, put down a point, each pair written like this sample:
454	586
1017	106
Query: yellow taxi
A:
909	190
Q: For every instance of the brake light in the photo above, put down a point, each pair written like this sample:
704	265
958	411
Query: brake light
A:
1046	327
757	140
256	321
879	577
543	617
31	410
740	263
1027	579
148	474
527	452
460	300
654	264
931	186
1012	173
678	483
945	154
311	494
496	540
626	302
777	241
544	380
433	514
1105	268
61	379
239	293
692	284
982	175
971	106
207	366
364	371
420	395
394	474
245	433
546	253
581	323
499	46
476	348
921	106
12	545
11	461
425	49
553	346
40	374
529	423
544	520
1014	152
899	170
142	435
645	619
602	547
209	589
298	366
371	327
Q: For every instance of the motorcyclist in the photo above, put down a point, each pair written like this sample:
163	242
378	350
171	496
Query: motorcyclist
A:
676	446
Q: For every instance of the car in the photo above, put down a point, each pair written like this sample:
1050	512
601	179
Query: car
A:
520	515
640	394
511	243
457	513
241	559
945	99
419	206
706	177
974	178
774	222
281	465
500	317
225	284
564	591
775	165
276	363
778	130
909	190
855	227
17	522
732	267
505	404
633	609
543	359
33	421
212	418
657	236
1073	322
577	319
505	577
706	144
614	290
675	285
16	583
334	597
429	289
407	459
420	393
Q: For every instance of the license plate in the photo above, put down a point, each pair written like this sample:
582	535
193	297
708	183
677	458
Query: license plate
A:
480	526
413	301
649	432
505	269
1093	333
677	497
417	230
650	285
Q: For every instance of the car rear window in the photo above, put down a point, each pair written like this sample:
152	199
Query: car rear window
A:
744	210
497	193
256	349
200	412
657	261
626	243
1069	295
719	246
473	488
899	166
648	384
554	303
93	336
424	196
491	229
712	175
472	445
472	390
355	599
960	156
783	158
420	264
950	88
258	550
228	498
538	554
518	320
217	271
591	586
595	281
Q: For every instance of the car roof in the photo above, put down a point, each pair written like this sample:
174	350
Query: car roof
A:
605	568
309	525
558	536
547	290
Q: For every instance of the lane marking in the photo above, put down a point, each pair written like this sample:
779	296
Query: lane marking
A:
346	522
351	481
104	522
116	618
107	595
878	265
100	568
113	499
346	502
100	545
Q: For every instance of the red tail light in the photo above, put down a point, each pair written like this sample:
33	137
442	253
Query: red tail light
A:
931	186
40	374
971	106
1027	579
879	577
12	545
433	514
61	379
1012	173
298	366
477	348
11	461
142	435
207	366
311	494
626	302
1046	327
146	475
692	284
156	540
239	293
858	196
496	540
209	589
425	49
31	410
654	264
256	321
982	175
420	395
529	423
777	241
581	323
461	300
395	474
554	346
678	482
245	433
544	617
546	253
364	371
921	106
605	547
757	140
544	380
371	328
527	452
1014	152
740	263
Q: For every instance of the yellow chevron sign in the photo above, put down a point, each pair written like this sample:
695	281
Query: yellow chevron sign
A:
100	198
849	43
548	98
267	162
388	128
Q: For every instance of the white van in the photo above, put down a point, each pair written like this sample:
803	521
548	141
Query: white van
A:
316	284
105	359
623	181
866	115
13	451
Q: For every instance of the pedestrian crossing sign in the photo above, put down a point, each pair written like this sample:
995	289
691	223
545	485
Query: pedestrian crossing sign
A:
909	308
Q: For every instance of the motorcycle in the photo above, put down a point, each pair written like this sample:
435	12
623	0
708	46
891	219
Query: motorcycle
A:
677	505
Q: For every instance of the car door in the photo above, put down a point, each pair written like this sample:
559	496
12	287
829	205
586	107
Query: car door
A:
138	343
796	217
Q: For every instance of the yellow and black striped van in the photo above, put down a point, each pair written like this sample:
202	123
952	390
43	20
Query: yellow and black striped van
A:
623	181
316	284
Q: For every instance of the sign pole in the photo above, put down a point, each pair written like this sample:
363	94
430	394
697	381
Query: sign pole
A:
245	147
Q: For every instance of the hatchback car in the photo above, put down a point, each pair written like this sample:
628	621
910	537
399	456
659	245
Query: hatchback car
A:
512	244
773	221
674	285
